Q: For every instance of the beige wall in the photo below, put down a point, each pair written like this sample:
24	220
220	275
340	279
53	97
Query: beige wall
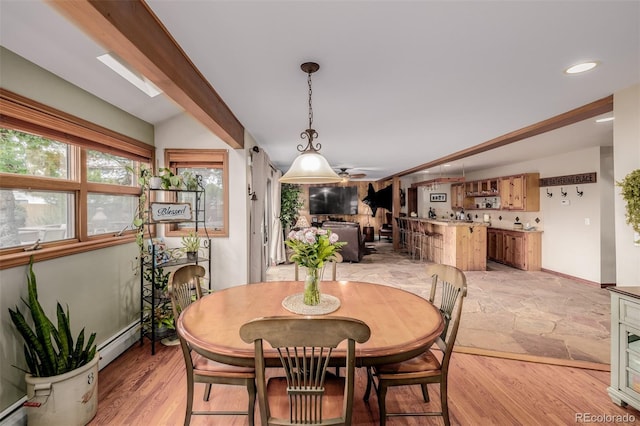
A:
230	257
569	245
626	144
100	286
23	77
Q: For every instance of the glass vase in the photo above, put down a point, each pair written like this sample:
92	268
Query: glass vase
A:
312	287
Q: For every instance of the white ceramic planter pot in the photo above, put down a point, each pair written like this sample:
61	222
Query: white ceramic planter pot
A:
155	182
67	399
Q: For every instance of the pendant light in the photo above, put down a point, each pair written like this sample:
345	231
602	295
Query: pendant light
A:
310	166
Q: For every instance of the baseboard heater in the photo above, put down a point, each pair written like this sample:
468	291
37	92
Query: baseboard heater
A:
15	415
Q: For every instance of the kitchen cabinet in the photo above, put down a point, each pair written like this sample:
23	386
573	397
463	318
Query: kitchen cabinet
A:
625	346
515	193
520	192
514	250
457	196
519	249
481	188
495	247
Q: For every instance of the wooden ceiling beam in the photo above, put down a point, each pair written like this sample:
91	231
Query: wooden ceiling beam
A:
576	115
133	32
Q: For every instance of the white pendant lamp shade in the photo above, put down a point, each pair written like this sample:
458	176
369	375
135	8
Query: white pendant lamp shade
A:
310	167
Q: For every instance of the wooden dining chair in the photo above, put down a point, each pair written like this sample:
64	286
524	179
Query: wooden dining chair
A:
332	262
427	367
308	393
185	288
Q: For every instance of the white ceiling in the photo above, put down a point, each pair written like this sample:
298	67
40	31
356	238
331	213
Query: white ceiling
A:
401	83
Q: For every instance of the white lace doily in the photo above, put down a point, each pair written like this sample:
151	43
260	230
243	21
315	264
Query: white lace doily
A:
295	304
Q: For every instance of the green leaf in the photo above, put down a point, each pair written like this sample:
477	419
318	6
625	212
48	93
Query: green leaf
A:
42	356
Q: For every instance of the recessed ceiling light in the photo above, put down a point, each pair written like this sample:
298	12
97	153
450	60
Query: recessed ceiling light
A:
581	67
604	120
122	69
446	165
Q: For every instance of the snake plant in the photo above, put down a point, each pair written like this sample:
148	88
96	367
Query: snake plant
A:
43	357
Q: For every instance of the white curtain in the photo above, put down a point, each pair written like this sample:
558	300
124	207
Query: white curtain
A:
260	170
276	246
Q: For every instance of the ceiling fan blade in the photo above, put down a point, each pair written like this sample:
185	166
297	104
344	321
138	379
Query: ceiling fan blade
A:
357	175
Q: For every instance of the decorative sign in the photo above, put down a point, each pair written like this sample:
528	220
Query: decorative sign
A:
170	212
579	179
438	198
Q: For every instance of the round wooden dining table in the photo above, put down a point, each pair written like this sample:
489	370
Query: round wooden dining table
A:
402	324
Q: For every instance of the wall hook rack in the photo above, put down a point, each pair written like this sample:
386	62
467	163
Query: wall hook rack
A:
563	192
580	193
549	194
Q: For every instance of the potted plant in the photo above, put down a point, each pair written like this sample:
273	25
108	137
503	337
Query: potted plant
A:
61	375
631	193
162	319
312	247
160	280
169	179
191	245
190	180
290	203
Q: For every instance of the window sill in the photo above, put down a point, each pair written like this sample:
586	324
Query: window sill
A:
60	250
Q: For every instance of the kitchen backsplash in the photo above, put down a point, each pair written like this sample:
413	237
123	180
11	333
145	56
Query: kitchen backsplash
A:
503	219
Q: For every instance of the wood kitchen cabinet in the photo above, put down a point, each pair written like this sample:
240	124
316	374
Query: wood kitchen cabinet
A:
495	245
519	249
457	196
520	192
514	253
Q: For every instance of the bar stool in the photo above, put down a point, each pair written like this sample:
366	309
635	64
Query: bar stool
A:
402	228
417	237
429	240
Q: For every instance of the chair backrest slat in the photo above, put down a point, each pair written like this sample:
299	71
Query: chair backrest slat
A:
453	285
185	287
305	348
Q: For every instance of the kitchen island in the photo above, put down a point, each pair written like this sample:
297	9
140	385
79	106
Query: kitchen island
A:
458	243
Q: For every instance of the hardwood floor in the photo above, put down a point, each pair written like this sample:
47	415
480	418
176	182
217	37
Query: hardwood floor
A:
141	389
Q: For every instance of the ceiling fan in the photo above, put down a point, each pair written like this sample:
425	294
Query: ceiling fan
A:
346	176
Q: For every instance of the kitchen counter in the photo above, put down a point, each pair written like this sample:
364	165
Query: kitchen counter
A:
458	243
530	231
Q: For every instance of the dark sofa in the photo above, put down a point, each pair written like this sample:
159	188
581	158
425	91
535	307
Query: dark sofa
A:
351	234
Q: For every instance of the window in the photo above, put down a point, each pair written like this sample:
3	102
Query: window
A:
212	166
66	185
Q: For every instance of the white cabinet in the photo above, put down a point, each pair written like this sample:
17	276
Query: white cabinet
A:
625	346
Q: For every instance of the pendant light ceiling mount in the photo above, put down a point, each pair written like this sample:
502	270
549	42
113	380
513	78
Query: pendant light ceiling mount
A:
310	166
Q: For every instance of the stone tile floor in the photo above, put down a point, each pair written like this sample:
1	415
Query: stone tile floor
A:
506	310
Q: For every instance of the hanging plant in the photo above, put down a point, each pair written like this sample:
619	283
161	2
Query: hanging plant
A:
631	193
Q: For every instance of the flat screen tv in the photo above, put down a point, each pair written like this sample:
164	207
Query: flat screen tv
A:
333	200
